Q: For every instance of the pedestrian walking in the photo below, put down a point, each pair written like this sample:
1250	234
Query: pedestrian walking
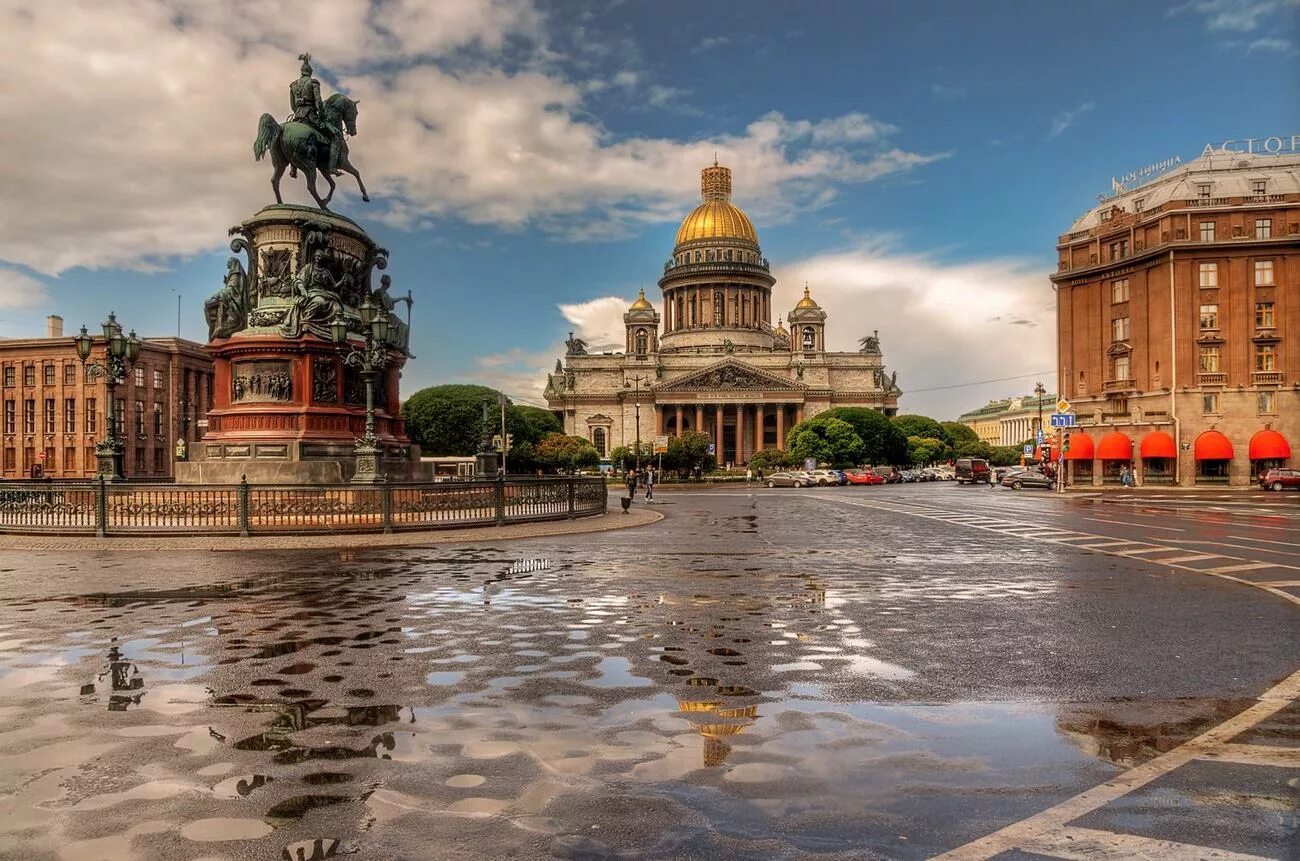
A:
749	475
759	475
631	484
1125	477
650	484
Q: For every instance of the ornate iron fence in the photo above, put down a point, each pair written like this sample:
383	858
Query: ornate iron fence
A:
130	508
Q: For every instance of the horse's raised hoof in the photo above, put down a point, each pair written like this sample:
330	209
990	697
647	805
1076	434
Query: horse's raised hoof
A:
366	198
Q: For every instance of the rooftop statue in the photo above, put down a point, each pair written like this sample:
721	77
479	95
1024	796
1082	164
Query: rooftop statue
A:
313	137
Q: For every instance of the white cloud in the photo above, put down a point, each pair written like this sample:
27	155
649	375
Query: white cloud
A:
1270	43
18	290
1233	16
708	43
599	322
947	94
1066	119
129	131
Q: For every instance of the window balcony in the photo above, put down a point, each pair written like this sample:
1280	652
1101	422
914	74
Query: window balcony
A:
1212	378
1268	378
1118	385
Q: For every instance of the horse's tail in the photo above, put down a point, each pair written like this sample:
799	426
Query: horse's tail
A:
267	131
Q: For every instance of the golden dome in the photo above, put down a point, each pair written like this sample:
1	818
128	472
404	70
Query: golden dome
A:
717	217
641	304
806	301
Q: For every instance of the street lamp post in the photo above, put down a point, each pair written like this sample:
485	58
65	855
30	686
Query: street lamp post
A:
370	360
120	353
635	385
1039	391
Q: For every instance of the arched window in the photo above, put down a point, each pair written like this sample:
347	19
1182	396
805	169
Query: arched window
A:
809	338
642	342
695	318
728	255
598	440
719	310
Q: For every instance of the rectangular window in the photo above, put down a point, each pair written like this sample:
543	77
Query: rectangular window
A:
1121	367
49	415
29	415
1209	317
9	375
29	375
47	374
139	417
1139	203
69	375
1258	187
1203	191
1210	403
1265	403
1105	215
1263	273
1119	329
69	459
49	462
139	377
11	459
1119	291
1209	360
140	465
157	418
1207	231
1265	357
1263	315
90	456
119	416
158	460
1263	228
157	379
1209	274
11	417
69	415
92	419
1119	250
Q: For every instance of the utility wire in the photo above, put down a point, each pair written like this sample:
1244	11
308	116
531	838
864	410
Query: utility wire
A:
979	382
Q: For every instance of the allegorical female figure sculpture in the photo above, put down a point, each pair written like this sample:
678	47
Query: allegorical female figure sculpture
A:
227	310
317	304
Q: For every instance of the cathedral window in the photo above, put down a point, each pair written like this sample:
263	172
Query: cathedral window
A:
598	440
719	310
809	338
642	342
728	255
698	257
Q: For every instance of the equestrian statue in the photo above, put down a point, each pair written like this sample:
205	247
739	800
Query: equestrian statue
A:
313	137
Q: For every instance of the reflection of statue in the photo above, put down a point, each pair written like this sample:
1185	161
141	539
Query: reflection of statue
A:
226	310
318	301
576	346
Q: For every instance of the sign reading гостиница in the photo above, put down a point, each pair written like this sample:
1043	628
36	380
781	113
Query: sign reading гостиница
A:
1274	145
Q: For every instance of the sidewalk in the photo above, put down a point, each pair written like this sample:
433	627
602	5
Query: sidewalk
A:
612	519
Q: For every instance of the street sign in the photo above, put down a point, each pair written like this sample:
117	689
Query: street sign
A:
1038	436
1029	449
201	423
1062	406
809	464
1062	420
661	444
712	448
40	455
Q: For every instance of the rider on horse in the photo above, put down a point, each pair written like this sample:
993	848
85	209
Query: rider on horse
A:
305	100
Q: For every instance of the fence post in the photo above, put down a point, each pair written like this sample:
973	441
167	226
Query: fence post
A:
572	483
101	508
243	506
386	504
501	499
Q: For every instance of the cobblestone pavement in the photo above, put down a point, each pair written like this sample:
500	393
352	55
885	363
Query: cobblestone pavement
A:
842	673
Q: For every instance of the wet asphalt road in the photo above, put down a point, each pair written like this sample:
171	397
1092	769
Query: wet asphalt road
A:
838	673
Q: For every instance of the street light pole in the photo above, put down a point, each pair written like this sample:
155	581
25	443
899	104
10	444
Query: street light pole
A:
505	440
636	395
370	360
120	353
1039	391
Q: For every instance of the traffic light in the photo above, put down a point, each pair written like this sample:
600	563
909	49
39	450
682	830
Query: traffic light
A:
1065	443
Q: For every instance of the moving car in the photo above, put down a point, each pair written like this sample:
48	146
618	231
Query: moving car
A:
1279	479
1027	478
972	470
785	479
863	476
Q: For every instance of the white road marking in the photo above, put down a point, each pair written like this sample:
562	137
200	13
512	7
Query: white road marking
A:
1257	754
1142	526
1090	844
1248	566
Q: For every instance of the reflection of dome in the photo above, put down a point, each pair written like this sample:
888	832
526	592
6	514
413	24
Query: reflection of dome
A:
717	217
806	301
641	304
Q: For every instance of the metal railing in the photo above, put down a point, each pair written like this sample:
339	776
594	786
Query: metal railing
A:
107	509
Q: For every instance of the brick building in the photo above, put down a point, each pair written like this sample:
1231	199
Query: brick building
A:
54	413
1178	324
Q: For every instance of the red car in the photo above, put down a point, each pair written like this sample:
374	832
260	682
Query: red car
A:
1278	479
862	476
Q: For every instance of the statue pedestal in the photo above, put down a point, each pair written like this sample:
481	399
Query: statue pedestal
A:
286	409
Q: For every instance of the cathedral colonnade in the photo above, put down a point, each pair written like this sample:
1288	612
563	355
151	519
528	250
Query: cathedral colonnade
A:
738	430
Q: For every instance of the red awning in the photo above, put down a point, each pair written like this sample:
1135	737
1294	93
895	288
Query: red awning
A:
1114	446
1081	446
1158	444
1213	445
1269	445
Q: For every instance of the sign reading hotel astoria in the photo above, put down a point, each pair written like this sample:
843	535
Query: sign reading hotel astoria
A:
1275	145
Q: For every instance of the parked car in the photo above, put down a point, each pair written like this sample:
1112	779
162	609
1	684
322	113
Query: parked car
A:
1027	478
890	474
864	476
1279	479
946	473
1001	472
931	473
907	476
972	470
825	477
785	479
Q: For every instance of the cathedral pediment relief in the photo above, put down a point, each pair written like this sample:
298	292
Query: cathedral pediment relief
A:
600	419
729	376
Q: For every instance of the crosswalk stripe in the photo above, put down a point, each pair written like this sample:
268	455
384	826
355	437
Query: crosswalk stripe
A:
1257	754
1249	566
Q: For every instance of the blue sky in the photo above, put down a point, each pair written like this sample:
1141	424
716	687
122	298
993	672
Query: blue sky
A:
913	163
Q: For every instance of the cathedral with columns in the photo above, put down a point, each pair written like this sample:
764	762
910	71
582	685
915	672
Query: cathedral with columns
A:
709	358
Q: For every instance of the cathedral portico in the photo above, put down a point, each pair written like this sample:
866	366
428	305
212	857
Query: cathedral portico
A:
713	362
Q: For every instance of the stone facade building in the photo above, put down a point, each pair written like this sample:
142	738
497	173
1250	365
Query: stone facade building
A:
54	413
709	359
1178	324
1010	421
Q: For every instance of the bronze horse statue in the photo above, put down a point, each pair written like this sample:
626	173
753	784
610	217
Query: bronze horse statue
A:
299	145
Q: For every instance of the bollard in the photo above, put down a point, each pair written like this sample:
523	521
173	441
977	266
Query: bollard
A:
501	499
243	506
101	508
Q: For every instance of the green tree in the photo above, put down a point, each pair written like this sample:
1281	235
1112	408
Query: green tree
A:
1005	455
925	451
922	426
447	420
567	453
769	459
882	441
688	451
959	434
621	457
827	439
